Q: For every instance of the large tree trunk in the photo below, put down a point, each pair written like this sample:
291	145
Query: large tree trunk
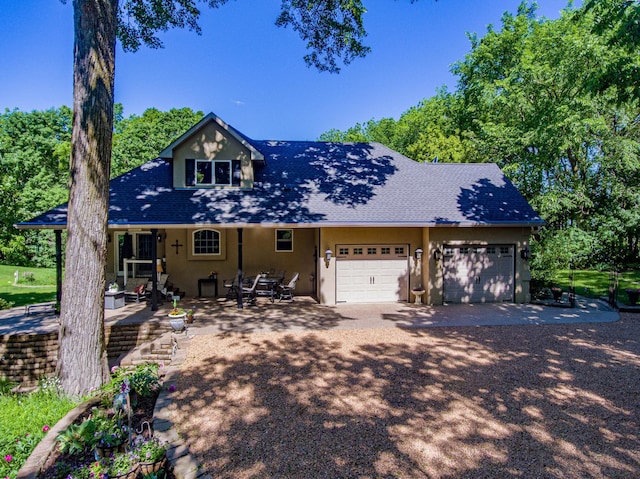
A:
82	360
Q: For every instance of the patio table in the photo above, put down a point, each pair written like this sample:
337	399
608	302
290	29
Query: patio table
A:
267	287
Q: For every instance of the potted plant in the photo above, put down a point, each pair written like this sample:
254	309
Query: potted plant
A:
190	313
123	465
98	469
110	436
633	294
152	454
177	317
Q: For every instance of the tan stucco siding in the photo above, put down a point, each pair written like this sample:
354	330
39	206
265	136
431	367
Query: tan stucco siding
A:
258	254
211	142
519	237
317	277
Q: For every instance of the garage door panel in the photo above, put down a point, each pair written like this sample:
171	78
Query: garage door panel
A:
361	280
371	281
473	274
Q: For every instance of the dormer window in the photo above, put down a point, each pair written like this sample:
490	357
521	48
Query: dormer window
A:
213	173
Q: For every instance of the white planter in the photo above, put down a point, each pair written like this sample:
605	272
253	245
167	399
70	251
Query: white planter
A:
418	294
177	321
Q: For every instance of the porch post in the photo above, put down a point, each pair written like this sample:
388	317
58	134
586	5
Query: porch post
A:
58	234
154	272
240	305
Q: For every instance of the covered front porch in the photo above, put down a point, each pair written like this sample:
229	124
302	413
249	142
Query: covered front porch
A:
199	261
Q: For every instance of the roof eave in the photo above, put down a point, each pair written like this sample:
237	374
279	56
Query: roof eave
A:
320	224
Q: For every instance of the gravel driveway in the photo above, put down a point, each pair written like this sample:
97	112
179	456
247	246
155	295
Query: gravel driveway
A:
552	401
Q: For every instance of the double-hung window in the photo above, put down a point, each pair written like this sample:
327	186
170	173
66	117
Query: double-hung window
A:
284	240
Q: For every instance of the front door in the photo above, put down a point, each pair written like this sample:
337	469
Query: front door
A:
140	244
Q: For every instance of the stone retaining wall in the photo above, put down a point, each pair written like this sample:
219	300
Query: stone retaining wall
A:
25	358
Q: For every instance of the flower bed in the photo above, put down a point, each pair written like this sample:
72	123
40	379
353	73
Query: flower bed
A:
114	437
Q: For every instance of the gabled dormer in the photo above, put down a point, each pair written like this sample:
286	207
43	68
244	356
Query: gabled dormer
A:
213	154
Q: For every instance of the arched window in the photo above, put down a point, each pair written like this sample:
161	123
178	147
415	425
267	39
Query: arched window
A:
206	242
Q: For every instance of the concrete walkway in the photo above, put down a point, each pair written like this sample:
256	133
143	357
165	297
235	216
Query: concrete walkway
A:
304	314
217	316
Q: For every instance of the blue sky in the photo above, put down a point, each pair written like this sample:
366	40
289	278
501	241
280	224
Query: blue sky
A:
248	71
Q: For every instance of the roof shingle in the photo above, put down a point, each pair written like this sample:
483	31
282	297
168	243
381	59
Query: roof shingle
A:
321	184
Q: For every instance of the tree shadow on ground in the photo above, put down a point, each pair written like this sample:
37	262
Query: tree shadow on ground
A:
513	401
302	313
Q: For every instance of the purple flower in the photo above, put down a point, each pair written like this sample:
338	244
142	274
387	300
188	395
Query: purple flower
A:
45	428
172	388
8	458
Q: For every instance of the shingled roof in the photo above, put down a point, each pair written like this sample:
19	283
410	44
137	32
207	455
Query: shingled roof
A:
319	184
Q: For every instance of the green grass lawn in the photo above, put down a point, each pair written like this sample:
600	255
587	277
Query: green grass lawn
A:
595	284
24	421
39	289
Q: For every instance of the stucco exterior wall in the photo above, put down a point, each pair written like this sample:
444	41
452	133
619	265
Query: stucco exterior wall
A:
317	276
258	254
212	142
438	237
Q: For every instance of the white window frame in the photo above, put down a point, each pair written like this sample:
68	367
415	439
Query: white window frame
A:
279	241
193	242
213	172
134	243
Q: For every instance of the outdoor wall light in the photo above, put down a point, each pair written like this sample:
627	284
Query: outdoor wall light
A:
525	253
327	255
437	254
418	254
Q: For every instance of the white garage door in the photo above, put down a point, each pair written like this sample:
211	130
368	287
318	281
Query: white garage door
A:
478	274
371	273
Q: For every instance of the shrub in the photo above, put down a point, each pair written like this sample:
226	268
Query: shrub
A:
4	304
77	437
143	380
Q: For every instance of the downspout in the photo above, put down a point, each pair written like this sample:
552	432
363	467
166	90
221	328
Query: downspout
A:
154	272
58	234
240	279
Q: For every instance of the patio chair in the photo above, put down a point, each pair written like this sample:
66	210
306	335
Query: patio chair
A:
135	290
163	280
249	294
285	291
231	285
